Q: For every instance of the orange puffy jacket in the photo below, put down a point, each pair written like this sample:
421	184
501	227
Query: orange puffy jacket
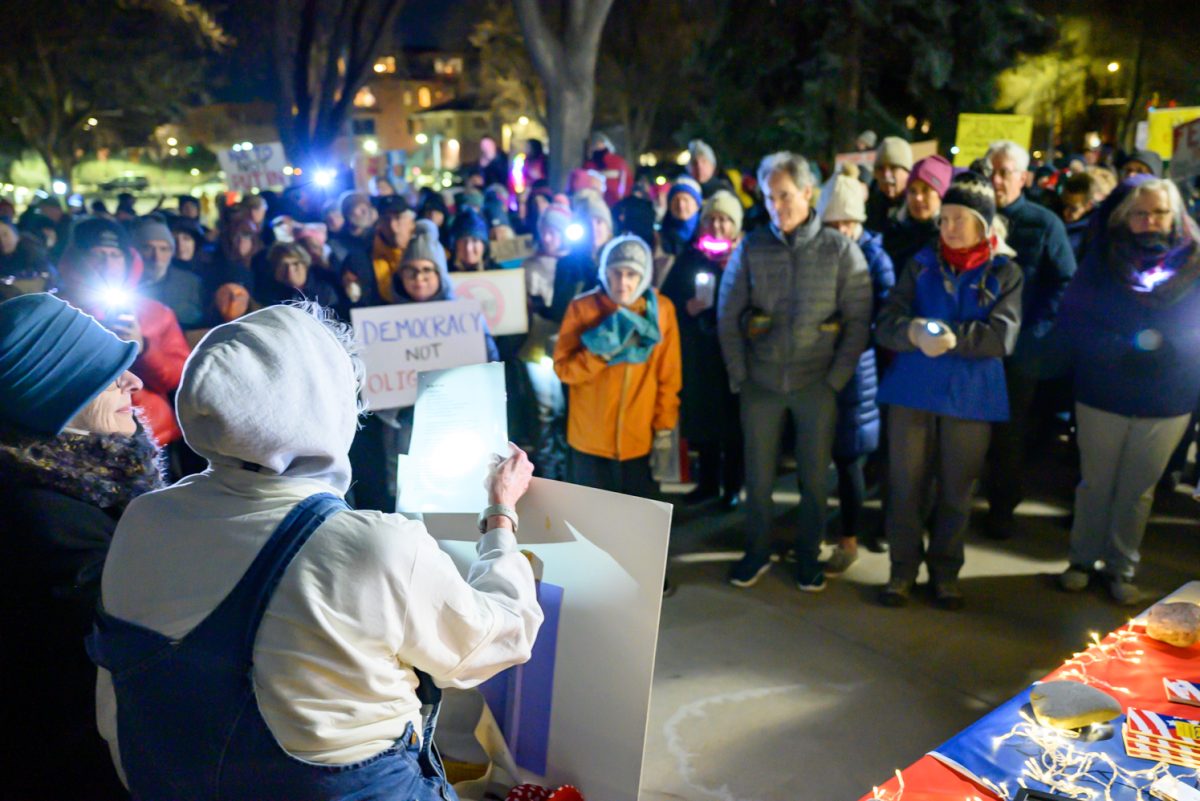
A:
616	408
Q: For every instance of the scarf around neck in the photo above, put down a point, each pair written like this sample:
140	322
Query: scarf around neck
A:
626	336
103	470
963	259
1159	270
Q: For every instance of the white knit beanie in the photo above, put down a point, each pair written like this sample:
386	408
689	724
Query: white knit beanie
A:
724	202
847	201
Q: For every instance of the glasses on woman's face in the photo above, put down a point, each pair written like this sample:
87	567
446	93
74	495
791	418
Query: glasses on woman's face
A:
413	273
1157	215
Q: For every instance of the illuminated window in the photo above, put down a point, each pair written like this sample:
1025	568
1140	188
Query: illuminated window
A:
387	64
424	98
407	98
364	98
447	66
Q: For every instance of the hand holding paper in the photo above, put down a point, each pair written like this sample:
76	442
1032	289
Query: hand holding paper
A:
509	478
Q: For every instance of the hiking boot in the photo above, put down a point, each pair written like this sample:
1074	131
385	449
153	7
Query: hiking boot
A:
896	593
748	570
948	595
1123	591
840	561
1075	578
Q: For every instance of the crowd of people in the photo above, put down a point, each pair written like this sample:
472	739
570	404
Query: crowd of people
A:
909	325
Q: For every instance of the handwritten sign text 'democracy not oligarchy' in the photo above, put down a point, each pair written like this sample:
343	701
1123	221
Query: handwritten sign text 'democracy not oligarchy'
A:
402	340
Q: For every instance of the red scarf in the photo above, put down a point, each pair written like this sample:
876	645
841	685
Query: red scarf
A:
963	259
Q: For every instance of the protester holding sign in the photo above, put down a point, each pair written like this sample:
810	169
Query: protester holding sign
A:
289	664
422	278
618	352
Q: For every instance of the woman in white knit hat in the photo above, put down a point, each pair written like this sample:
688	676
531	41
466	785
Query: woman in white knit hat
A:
859	422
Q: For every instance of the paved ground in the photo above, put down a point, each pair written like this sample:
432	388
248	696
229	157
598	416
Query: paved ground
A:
767	693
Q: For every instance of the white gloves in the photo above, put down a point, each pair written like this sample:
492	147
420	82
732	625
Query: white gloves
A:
932	337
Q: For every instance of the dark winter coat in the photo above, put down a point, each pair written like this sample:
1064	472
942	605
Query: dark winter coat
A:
62	499
1047	261
708	410
968	381
858	425
1135	354
574	275
181	292
904	237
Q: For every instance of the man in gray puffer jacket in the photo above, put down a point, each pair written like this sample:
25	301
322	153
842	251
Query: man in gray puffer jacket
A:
794	317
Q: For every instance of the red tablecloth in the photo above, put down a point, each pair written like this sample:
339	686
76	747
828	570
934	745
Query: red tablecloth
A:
927	779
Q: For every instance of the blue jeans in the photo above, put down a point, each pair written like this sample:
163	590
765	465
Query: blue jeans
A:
814	414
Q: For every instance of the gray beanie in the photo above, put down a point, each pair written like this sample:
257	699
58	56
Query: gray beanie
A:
150	229
698	148
424	246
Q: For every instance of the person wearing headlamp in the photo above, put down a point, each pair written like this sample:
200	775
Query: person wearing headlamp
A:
100	273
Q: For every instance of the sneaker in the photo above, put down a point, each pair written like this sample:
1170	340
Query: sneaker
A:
748	570
1123	591
1074	579
948	595
896	593
813	581
840	561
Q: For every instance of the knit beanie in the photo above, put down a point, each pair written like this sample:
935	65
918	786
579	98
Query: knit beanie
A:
688	185
631	252
97	232
54	360
351	199
847	200
494	212
724	202
555	216
590	201
470	199
1150	159
895	152
148	229
424	246
698	148
935	171
470	223
974	193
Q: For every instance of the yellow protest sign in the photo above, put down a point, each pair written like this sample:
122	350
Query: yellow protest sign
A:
977	131
1162	127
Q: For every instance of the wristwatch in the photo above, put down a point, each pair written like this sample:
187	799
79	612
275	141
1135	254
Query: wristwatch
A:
497	509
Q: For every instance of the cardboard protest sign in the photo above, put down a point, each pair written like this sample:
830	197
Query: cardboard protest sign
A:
501	293
512	251
977	131
400	341
1162	125
1185	159
254	167
866	157
608	553
924	149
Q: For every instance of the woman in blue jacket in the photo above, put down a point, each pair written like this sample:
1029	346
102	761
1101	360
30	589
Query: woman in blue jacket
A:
951	319
1132	318
859	424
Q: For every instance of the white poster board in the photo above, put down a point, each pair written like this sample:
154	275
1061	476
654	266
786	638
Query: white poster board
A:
1185	161
501	293
254	167
609	554
400	341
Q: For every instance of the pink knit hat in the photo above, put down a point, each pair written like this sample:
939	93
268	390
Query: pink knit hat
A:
935	171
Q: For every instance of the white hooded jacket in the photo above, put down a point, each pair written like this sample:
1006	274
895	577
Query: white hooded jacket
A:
368	597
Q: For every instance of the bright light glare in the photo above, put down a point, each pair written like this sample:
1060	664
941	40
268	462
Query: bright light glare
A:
115	297
522	120
457	455
325	177
574	232
237	148
59	187
683	158
195	171
661	180
452	144
371	146
172	141
247	145
954	150
422	139
92	121
1113	66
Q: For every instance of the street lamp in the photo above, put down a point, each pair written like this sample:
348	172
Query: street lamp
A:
1113	66
172	141
92	121
422	139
